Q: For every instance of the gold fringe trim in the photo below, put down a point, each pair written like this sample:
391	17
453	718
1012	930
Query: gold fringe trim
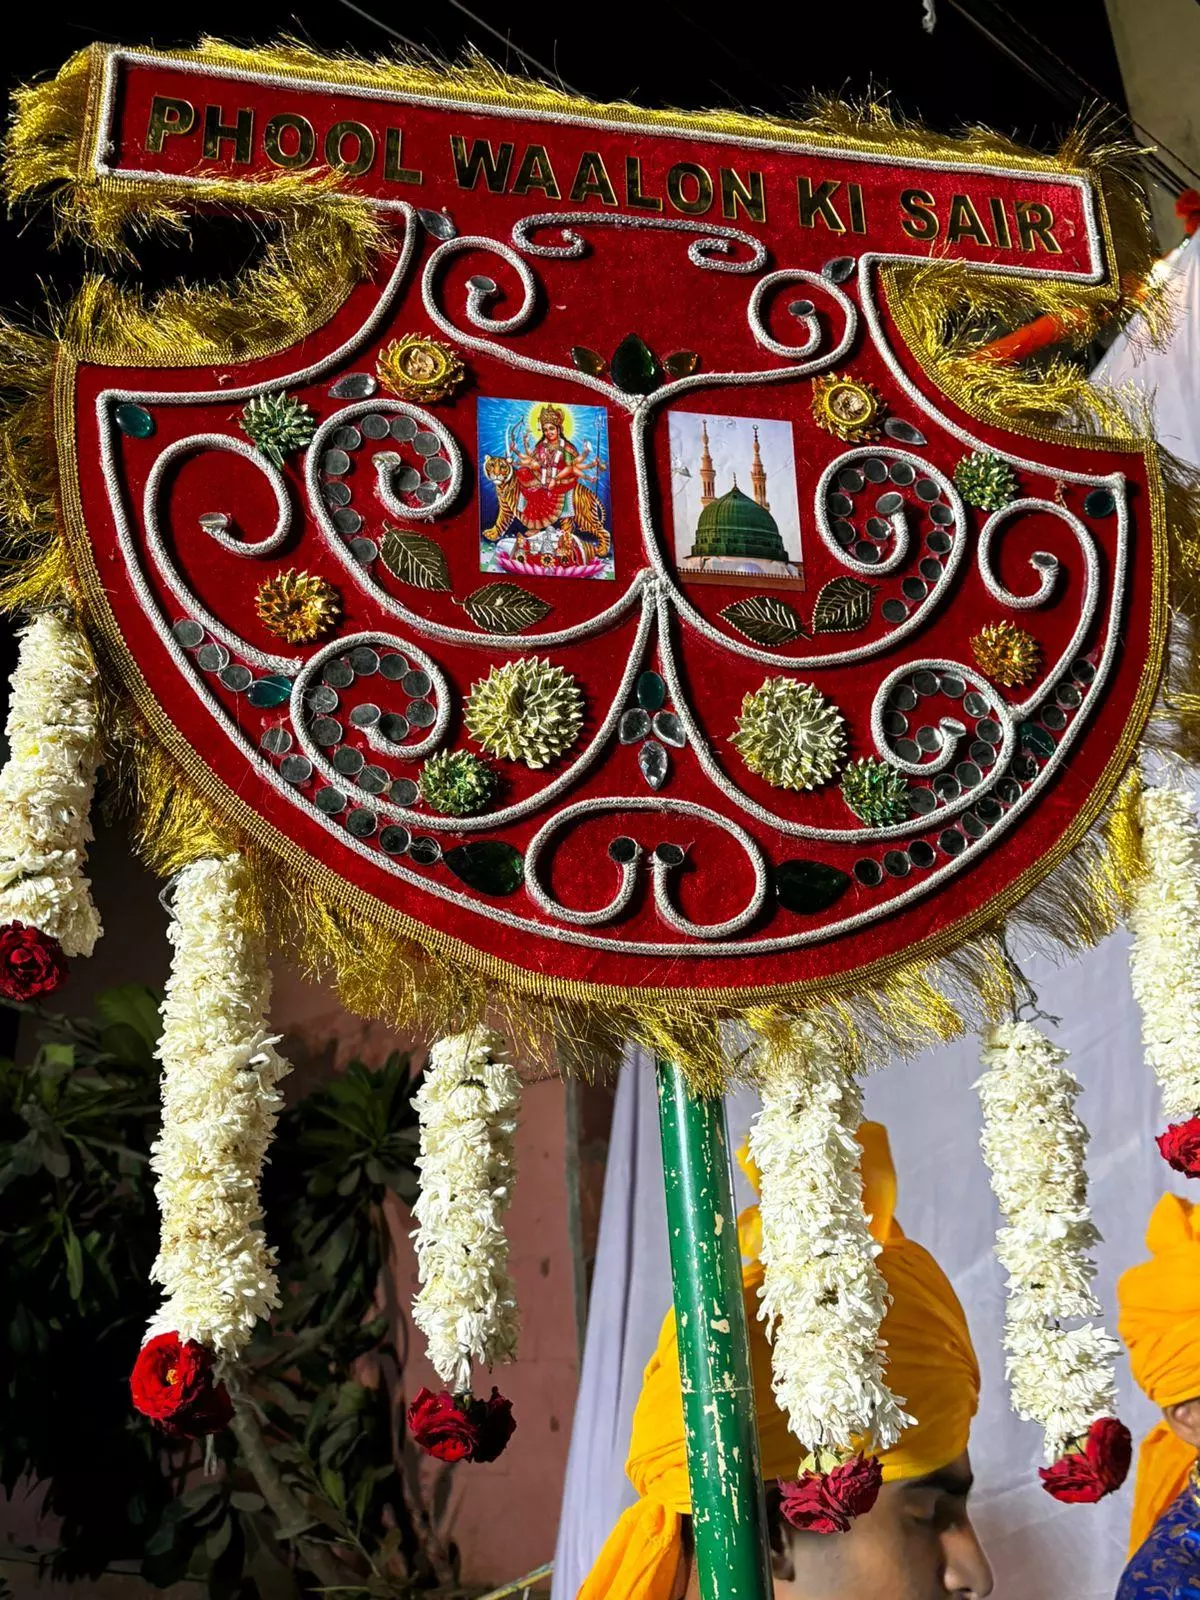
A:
322	244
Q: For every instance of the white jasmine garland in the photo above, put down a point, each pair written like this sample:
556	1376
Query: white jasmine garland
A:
823	1296
47	784
1165	958
468	1105
220	1102
1035	1146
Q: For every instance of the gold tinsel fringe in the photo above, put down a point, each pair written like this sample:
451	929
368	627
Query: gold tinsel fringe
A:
322	244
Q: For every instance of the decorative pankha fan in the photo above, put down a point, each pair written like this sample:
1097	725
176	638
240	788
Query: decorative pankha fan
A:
582	576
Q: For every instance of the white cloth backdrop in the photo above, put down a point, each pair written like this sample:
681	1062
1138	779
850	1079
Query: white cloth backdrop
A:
1039	1549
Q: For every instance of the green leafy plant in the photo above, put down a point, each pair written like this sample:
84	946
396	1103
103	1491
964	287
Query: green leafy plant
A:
314	1486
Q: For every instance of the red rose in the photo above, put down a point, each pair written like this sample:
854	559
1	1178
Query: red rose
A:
1093	1467
828	1502
31	962
172	1384
442	1427
494	1419
1180	1146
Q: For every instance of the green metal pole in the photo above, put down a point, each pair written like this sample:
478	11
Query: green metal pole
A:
729	1520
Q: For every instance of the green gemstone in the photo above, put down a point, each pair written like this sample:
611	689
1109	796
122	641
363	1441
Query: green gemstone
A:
809	886
1100	503
1037	740
136	421
634	368
651	691
267	692
489	865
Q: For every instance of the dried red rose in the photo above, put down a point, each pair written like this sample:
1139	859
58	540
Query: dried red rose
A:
443	1427
172	1384
494	1419
1093	1467
1180	1146
32	963
828	1502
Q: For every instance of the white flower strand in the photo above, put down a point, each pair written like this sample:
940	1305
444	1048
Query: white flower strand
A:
1035	1146
220	1102
47	784
823	1296
468	1105
1164	961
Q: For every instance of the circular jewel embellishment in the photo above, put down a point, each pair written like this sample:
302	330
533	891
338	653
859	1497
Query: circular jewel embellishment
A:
847	407
419	368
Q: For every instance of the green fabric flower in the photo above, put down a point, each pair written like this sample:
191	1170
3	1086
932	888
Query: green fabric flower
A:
984	480
875	792
457	783
278	424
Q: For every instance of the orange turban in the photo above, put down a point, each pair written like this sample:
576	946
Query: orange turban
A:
1160	1324
930	1363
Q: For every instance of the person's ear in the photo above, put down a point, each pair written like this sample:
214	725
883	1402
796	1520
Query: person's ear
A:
1184	1419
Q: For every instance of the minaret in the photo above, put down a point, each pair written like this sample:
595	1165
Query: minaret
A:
758	477
708	476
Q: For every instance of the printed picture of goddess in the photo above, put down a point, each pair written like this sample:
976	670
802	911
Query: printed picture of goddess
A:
543	488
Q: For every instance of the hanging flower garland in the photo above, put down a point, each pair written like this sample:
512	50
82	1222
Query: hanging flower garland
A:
220	1101
46	787
466	1307
1063	1378
1164	964
823	1296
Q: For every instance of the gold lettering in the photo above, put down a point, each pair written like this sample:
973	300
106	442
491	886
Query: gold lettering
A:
635	196
920	214
306	140
818	202
746	192
963	221
168	117
535	172
689	172
393	145
480	162
858	216
1000	223
335	147
592	180
239	134
1034	222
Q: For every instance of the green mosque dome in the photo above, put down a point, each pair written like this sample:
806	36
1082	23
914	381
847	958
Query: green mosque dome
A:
735	525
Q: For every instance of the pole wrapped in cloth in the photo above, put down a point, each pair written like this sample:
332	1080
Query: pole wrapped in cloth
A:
931	1363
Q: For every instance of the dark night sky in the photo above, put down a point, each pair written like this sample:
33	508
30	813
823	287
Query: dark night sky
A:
657	52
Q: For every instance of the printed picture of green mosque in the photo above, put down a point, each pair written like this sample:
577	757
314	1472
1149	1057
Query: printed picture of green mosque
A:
734	500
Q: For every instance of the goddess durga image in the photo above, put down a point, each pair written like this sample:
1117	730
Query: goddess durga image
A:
550	519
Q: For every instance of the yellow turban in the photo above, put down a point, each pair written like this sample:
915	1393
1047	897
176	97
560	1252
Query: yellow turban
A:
1160	1324
930	1363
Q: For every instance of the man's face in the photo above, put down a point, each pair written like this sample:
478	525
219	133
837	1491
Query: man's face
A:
917	1543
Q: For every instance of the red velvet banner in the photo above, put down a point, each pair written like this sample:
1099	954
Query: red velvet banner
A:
753	659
